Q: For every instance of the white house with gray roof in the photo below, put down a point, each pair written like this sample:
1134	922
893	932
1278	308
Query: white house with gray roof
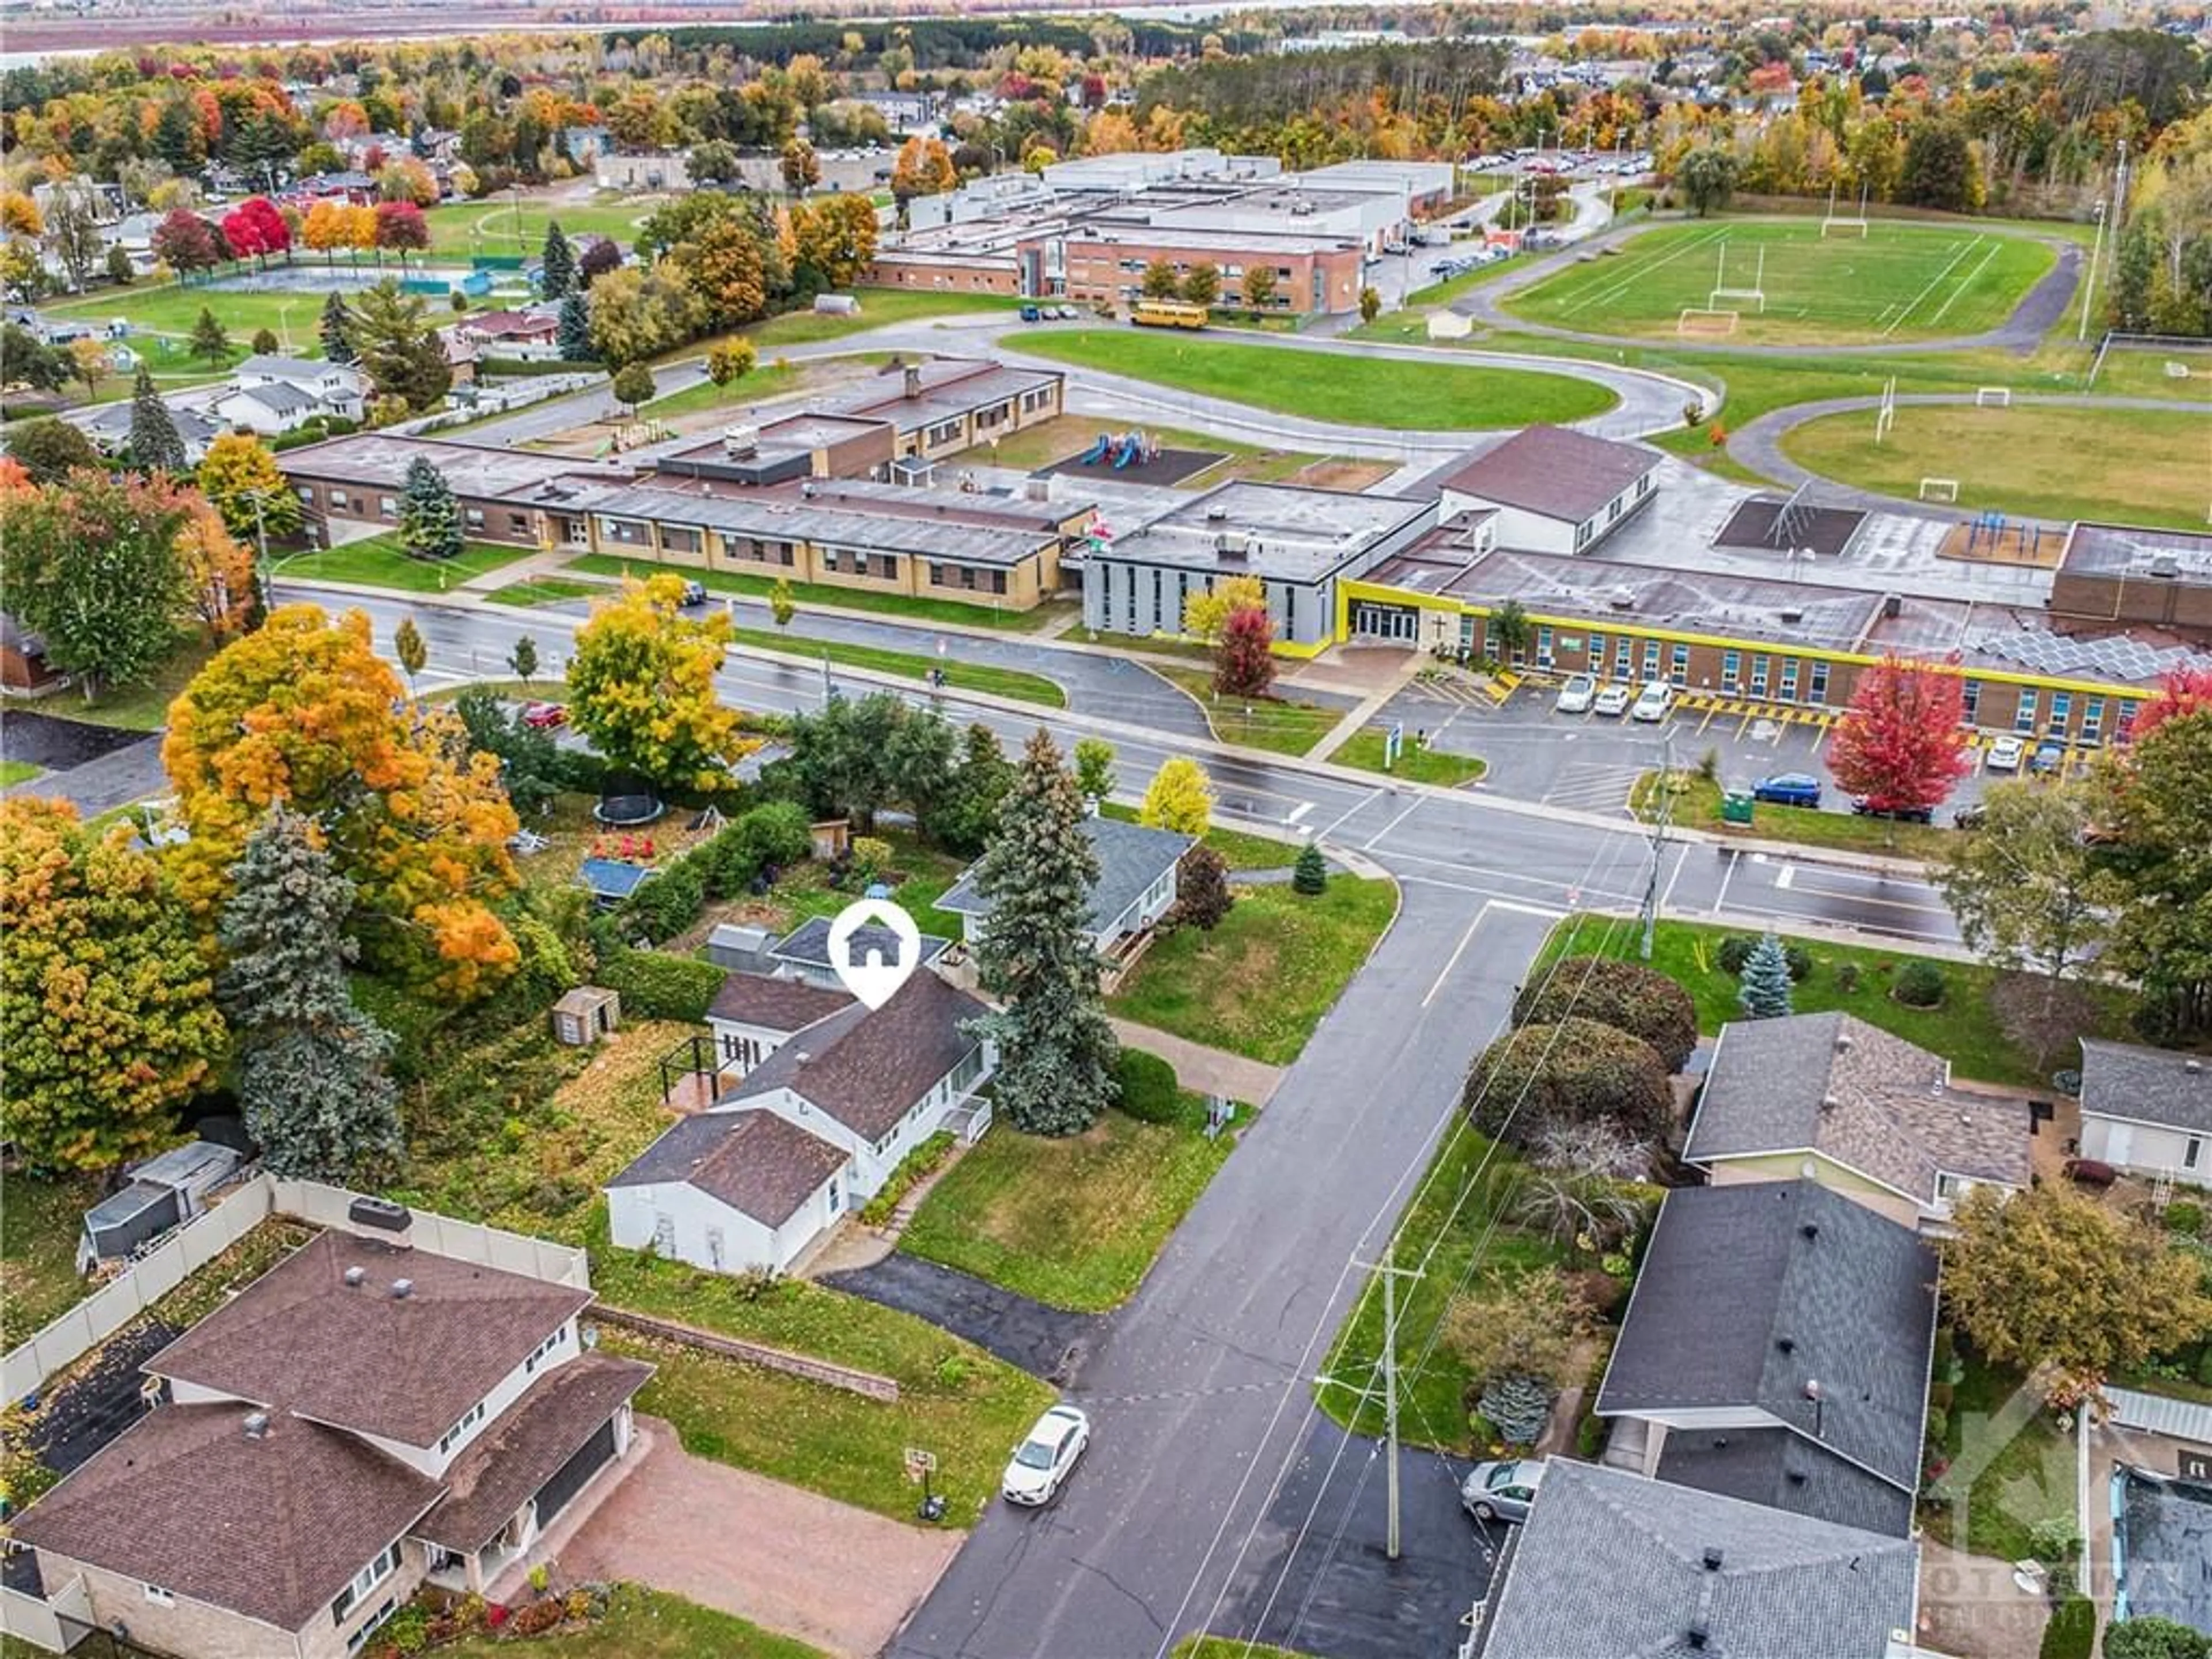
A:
1136	886
1554	490
1610	1564
1830	1098
1776	1349
2146	1111
275	395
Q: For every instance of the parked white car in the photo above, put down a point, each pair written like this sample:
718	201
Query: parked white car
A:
2004	754
1043	1462
1576	695
1611	700
1653	701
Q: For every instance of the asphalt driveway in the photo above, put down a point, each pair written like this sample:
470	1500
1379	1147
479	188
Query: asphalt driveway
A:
1045	1342
835	1576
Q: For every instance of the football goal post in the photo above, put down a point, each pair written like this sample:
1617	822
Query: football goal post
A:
1755	295
1885	415
1939	489
1845	223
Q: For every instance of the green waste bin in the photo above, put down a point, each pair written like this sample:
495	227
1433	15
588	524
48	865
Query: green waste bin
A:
1735	806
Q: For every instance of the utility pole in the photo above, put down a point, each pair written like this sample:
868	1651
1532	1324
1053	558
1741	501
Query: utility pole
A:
1390	1276
1660	824
2089	279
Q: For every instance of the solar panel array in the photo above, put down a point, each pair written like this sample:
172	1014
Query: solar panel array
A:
2112	657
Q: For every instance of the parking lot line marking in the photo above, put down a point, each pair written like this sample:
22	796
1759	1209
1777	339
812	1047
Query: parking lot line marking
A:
1734	856
1337	823
1303	807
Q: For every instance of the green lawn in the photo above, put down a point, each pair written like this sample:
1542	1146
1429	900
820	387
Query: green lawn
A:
1331	386
955	1400
495	225
880	307
545	590
1459	1214
1965	1030
38	1251
1697	806
922	876
2012	1482
1074	1222
1272	723
643	1624
910	608
766	380
1259	983
1224	1647
2130	466
381	562
171	309
2140	372
962	676
16	771
145	707
1241	850
1440	767
1901	282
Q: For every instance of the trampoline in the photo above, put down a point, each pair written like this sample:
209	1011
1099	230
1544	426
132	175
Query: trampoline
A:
628	811
2161	1548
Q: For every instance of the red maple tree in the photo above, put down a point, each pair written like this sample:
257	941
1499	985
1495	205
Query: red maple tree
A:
1902	743
1243	660
2183	691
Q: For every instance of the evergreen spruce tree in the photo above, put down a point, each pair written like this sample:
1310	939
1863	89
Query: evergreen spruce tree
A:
155	445
311	1070
1056	1051
338	330
1310	875
560	263
429	518
573	337
210	339
1764	993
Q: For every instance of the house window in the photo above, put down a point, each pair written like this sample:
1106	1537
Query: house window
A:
1543	647
339	498
2128	707
2092	719
1679	665
2191	1151
1818	690
1624	656
1790	679
543	1349
1970	694
1759	675
386	1563
836	1201
159	1597
1651	660
388	506
714	1248
1594	658
1949	1188
2061	705
459	1430
517	524
475	516
1732	671
2023	718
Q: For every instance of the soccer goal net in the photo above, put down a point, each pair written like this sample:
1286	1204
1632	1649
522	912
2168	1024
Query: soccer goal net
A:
1698	319
1939	489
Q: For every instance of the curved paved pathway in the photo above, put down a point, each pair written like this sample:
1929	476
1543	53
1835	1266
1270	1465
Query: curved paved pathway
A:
2036	314
1758	444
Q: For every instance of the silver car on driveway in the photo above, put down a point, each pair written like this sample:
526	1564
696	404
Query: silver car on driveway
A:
1501	1491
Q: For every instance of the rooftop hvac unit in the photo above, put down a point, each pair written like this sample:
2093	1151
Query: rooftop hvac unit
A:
2167	565
1622	599
1216	514
741	440
1892	604
381	1213
1793	613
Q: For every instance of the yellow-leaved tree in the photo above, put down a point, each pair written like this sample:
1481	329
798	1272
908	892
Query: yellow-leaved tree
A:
1179	797
641	688
304	711
1204	615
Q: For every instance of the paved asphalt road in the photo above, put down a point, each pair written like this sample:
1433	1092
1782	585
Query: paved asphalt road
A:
1216	1495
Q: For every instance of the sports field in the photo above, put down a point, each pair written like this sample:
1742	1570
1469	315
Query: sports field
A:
1897	283
2121	465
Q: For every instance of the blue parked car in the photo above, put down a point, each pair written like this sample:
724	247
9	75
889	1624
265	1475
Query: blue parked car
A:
1787	789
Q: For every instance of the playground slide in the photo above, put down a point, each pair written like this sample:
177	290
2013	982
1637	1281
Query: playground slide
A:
1096	453
1127	452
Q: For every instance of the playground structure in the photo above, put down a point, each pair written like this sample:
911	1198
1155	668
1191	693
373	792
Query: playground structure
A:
1993	539
1122	450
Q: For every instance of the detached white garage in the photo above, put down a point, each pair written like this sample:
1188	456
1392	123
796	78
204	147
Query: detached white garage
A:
732	1192
1554	490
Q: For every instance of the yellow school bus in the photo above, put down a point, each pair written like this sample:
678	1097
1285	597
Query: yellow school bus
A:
1167	313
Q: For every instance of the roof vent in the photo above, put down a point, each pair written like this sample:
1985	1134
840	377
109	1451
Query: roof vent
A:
1792	613
1622	597
356	1277
1216	514
1712	1559
256	1426
1842	1042
401	1289
2192	1066
1697	1636
1829	1103
1809	1230
1786	1344
2165	564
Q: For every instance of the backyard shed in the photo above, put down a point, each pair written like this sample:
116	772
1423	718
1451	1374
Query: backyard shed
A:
586	1014
164	1192
832	837
734	945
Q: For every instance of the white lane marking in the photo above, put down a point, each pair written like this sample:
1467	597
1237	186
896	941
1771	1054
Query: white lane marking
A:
1452	960
1303	807
1720	899
1367	845
1785	878
1353	811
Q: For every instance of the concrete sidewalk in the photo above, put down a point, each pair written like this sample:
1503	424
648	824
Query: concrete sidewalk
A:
1209	1070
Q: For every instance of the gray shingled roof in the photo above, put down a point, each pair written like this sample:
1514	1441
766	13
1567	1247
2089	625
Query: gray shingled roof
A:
866	1067
808	944
1553	470
279	396
1748	1292
2147	1086
758	1164
1610	1565
1131	858
1785	1471
1874	1102
773	1004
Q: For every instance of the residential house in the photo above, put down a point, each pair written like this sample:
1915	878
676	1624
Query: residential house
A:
529	336
1776	1349
823	1116
1135	888
2146	1111
23	665
361	1418
108	426
803	952
1610	1564
276	395
753	1014
1830	1098
1555	490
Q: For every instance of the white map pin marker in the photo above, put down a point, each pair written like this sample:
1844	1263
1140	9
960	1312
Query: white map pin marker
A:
874	947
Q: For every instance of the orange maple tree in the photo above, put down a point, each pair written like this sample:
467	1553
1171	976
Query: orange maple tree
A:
304	711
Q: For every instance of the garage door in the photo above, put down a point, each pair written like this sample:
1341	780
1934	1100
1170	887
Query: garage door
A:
569	1478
